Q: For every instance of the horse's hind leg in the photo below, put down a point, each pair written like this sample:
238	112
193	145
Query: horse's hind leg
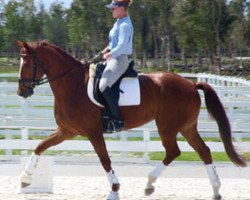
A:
194	139
57	137
172	151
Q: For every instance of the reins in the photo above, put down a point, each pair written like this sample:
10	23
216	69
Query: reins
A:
35	82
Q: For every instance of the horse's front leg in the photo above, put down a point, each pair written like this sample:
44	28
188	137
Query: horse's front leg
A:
101	150
57	137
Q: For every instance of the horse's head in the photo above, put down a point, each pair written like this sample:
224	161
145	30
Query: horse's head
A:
31	70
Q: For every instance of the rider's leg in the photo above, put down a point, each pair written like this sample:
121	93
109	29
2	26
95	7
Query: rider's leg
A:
115	68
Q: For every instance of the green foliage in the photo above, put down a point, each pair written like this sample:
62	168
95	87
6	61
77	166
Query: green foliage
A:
88	26
188	30
54	28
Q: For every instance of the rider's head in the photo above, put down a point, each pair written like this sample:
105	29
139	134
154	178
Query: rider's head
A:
119	7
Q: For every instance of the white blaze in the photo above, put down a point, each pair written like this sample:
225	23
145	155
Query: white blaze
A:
21	66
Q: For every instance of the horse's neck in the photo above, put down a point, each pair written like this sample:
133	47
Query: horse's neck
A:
68	75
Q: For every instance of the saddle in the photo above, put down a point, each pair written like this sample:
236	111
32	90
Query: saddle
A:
130	73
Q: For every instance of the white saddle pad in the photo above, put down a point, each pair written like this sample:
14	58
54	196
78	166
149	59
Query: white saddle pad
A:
131	95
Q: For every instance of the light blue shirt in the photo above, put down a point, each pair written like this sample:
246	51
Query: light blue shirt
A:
121	37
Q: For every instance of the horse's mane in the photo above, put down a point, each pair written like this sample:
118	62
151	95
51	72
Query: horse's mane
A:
62	52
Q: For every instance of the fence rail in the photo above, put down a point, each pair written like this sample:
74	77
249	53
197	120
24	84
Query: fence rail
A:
34	116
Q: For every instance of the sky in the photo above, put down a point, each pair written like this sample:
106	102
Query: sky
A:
47	3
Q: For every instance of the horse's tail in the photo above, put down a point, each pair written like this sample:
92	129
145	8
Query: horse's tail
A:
217	112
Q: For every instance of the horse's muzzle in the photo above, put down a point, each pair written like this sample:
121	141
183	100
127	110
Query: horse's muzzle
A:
25	92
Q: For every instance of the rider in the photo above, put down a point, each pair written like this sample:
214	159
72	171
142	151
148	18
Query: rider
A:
116	55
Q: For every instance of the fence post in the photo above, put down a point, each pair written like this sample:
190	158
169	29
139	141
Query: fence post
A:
6	120
146	139
8	136
24	108
237	135
199	78
24	136
124	138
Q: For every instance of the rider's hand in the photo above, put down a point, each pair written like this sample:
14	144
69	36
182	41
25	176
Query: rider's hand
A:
107	56
106	50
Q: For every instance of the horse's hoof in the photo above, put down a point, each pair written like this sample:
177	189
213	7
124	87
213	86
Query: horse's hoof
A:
217	197
149	191
116	187
25	179
24	185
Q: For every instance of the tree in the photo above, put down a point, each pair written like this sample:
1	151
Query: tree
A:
88	30
166	31
237	42
153	29
213	26
140	21
75	28
247	33
202	26
14	25
187	27
163	29
2	5
221	22
38	23
55	26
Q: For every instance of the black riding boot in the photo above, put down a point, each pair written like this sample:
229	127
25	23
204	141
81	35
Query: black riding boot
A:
117	122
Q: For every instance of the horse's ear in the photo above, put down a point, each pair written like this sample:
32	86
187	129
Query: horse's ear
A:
23	46
45	41
19	43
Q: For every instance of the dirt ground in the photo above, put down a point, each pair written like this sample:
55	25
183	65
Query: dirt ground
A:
179	182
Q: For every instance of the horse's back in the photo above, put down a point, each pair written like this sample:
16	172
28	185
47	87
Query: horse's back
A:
169	84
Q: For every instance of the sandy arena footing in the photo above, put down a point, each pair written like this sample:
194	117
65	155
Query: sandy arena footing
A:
179	182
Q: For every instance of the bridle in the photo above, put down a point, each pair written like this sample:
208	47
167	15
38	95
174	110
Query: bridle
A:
33	82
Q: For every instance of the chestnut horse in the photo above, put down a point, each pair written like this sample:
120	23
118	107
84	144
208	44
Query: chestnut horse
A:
169	99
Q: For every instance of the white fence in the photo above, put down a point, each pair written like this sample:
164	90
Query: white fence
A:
34	116
223	81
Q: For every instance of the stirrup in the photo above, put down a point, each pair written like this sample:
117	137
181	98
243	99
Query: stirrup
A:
118	125
115	126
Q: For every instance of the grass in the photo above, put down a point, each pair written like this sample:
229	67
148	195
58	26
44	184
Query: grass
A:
9	66
181	139
190	156
12	106
246	156
154	156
